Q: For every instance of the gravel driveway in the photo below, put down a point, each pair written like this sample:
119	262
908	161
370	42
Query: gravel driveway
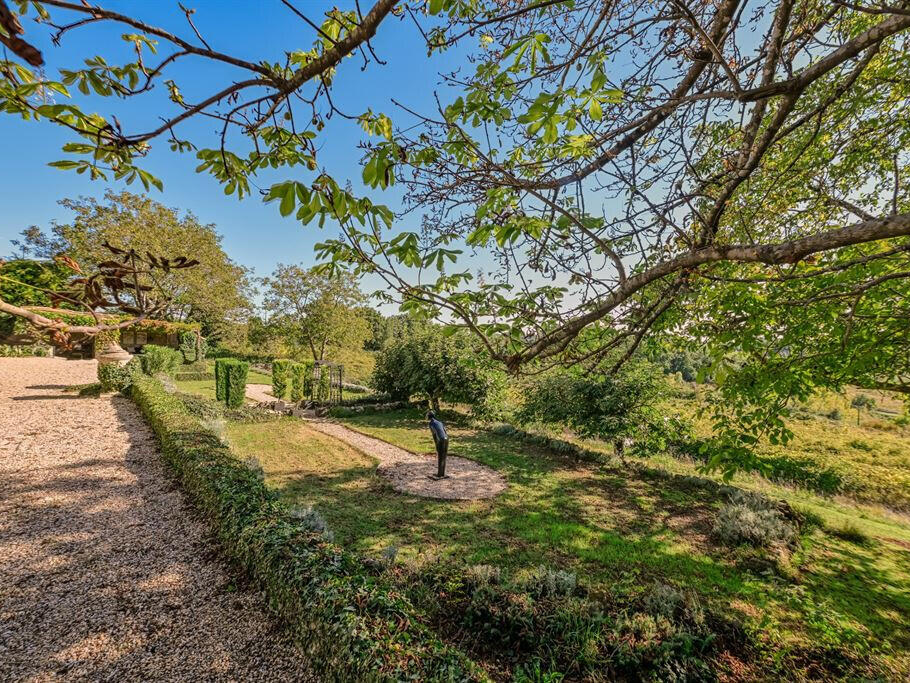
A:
105	573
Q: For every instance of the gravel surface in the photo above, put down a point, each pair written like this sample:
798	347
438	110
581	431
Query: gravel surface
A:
105	572
412	473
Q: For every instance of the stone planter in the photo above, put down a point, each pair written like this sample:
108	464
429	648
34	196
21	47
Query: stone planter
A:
113	353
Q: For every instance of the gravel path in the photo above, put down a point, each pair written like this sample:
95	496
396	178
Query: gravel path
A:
105	573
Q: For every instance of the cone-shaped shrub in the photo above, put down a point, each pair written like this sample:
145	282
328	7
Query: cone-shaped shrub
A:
281	377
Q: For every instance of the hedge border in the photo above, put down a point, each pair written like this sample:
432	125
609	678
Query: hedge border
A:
350	624
194	376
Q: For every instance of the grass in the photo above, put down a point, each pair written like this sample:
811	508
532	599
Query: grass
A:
619	528
869	462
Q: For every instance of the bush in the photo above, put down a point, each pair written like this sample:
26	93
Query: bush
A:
192	346
752	519
193	376
281	377
114	377
301	381
351	625
230	381
157	359
619	407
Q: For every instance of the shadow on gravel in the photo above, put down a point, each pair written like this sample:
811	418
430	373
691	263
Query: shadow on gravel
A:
106	574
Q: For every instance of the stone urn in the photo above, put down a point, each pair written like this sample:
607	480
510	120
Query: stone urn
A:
113	353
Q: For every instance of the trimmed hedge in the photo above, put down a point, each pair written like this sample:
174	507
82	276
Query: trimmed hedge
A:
220	379
301	381
281	377
230	381
193	376
351	625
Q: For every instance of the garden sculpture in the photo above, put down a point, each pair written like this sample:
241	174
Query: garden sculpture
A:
441	439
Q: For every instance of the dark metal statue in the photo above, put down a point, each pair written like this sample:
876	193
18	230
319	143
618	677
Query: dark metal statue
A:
441	439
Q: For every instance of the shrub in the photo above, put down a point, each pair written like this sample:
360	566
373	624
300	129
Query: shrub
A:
115	377
192	346
220	379
281	377
851	533
546	582
10	351
193	376
752	519
301	381
233	378
351	625
157	359
619	407
312	520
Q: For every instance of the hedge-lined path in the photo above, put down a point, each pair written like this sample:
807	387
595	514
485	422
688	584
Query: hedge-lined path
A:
105	572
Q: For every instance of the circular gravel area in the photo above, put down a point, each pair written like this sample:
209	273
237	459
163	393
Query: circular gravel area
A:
411	473
105	572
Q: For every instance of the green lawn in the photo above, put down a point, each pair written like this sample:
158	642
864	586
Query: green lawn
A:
619	528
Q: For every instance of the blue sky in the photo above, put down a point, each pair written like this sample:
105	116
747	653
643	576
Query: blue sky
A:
255	235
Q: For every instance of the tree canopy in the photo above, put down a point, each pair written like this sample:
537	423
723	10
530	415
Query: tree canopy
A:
215	292
315	309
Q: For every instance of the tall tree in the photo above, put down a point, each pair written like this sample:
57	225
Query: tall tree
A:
214	292
316	309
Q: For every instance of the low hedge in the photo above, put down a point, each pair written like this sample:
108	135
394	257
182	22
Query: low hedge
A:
350	624
194	376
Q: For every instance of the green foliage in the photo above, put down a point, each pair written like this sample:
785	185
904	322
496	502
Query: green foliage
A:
301	381
220	379
192	345
213	292
21	281
116	377
281	377
618	406
351	625
21	351
313	311
157	359
438	367
230	381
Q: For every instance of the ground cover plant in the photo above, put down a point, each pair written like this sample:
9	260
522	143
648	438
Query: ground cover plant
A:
814	606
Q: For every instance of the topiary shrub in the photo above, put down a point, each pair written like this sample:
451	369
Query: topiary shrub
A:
233	379
281	377
157	359
301	381
221	378
114	377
